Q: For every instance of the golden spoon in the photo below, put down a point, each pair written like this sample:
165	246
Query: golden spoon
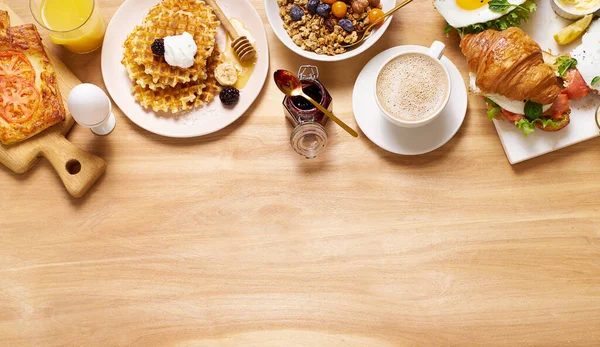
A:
290	85
365	33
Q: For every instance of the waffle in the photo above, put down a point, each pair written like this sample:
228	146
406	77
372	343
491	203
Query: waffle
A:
170	18
137	73
183	97
158	85
198	8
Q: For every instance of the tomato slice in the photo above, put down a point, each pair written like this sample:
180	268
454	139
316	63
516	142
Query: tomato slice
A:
14	63
513	117
19	99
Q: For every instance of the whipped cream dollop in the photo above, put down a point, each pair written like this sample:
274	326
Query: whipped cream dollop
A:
180	50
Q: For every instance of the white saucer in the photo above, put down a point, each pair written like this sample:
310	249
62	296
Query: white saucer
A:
400	140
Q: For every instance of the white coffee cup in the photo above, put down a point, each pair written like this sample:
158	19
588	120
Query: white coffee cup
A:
435	52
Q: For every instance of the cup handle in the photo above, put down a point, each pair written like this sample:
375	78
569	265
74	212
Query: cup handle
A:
437	49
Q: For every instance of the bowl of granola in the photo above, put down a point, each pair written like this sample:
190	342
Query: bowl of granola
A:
317	29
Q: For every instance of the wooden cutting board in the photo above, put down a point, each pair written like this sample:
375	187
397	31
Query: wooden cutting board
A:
77	169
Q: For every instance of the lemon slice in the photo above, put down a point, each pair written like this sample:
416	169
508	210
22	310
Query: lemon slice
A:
573	31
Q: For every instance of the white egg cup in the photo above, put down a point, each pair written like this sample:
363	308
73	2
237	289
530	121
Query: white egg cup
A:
91	108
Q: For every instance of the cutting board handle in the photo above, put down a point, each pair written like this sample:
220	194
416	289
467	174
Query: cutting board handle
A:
77	169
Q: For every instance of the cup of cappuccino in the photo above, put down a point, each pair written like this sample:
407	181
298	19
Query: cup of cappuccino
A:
413	88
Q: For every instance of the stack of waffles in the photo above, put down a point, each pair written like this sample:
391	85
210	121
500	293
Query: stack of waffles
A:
159	85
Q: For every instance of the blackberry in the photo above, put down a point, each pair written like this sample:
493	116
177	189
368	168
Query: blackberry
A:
158	47
229	96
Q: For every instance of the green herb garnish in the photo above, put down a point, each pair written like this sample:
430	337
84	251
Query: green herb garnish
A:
564	63
512	19
533	110
502	5
595	80
448	28
494	110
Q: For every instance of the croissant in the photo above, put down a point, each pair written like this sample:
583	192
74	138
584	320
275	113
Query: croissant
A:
510	63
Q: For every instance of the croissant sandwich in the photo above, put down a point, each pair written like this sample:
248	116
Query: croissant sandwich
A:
508	68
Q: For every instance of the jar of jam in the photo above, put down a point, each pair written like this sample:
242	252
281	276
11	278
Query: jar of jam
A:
309	136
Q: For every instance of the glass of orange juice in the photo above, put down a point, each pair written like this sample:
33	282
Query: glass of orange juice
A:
77	25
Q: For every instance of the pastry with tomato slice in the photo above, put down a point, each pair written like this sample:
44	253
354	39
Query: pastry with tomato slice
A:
30	100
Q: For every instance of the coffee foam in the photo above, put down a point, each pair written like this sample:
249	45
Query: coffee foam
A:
412	87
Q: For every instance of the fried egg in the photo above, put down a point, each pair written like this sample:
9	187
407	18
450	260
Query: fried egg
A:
462	13
513	106
588	55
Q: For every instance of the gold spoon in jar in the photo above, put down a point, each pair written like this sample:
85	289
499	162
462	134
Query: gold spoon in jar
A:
366	32
290	85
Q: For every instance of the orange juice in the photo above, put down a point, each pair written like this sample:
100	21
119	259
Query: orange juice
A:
76	24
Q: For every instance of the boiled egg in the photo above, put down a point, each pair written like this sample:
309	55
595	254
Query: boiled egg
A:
514	106
462	13
588	55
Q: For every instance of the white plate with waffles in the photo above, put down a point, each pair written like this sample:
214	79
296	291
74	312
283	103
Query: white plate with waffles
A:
199	121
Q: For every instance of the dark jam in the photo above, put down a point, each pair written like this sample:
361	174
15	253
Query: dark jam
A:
300	110
311	90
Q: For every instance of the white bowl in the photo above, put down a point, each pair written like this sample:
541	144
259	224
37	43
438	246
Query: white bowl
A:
276	23
572	13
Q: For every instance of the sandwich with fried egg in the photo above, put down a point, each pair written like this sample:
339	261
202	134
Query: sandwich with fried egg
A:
475	16
508	69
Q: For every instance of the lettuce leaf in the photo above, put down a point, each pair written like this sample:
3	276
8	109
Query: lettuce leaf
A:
512	19
494	110
527	126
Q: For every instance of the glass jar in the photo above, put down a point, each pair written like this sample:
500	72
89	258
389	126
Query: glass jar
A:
309	136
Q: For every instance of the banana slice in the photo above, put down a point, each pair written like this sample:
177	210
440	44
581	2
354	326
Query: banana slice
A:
226	74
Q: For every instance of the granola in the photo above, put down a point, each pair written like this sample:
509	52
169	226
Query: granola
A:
318	34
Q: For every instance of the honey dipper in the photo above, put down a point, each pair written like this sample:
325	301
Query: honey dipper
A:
241	46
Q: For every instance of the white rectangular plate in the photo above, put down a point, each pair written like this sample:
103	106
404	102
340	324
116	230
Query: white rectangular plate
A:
542	25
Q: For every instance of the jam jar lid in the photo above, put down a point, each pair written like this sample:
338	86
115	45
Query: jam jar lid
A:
309	139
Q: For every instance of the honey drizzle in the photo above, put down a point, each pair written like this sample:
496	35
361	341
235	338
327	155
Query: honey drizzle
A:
247	68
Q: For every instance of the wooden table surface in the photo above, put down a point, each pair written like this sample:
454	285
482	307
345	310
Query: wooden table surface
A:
233	239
